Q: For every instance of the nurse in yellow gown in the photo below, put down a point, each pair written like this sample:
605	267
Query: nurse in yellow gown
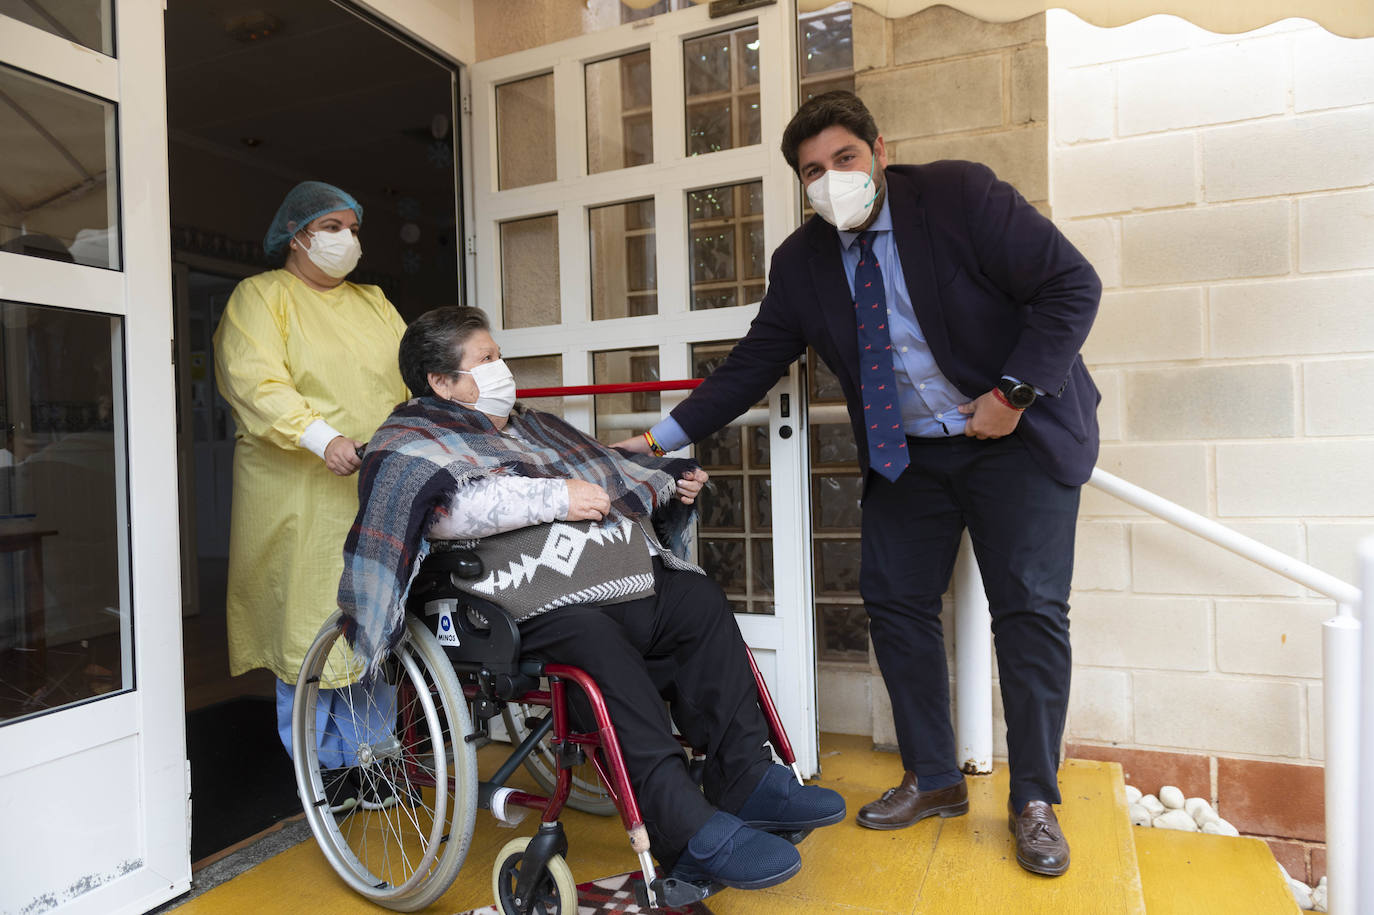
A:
307	361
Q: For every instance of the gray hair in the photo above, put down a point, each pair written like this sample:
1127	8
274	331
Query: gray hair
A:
434	343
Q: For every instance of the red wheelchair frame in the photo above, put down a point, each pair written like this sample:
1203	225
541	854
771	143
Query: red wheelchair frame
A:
487	660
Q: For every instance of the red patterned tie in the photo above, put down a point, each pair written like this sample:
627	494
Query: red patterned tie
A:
887	452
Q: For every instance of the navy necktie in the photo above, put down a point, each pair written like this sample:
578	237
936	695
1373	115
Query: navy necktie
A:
887	452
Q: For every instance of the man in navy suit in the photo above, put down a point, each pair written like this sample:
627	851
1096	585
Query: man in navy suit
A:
952	312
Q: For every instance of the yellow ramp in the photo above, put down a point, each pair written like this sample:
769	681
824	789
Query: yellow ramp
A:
1184	873
950	867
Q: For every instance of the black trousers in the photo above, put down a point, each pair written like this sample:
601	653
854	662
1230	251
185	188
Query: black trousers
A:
1021	522
680	645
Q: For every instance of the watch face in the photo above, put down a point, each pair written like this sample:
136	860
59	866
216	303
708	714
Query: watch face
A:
1019	395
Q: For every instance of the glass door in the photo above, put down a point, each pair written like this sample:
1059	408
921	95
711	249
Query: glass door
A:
626	192
93	774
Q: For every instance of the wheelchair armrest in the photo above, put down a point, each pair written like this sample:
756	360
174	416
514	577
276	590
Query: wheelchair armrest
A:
466	564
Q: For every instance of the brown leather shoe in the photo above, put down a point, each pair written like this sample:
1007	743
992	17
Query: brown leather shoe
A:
906	804
1040	844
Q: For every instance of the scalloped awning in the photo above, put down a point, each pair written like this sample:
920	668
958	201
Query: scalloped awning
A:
1351	18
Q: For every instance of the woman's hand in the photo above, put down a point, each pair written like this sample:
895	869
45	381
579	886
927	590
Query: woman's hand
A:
341	455
587	501
689	487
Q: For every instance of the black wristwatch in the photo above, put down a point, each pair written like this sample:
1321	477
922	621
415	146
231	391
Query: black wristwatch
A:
1018	394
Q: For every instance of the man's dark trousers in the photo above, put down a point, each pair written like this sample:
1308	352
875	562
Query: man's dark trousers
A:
1021	522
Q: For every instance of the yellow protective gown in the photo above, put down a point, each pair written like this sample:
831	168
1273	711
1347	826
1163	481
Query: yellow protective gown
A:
285	356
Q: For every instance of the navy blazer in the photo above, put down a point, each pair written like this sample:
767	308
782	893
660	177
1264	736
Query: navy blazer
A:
997	291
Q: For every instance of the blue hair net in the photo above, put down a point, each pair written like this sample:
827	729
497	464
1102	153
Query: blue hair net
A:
306	201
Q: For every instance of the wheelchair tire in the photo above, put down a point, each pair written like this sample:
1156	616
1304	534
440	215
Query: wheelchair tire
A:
403	849
554	894
587	793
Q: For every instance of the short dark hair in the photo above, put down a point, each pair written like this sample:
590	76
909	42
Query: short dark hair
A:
434	343
829	109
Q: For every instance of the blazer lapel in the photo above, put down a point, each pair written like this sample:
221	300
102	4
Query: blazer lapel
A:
918	267
832	292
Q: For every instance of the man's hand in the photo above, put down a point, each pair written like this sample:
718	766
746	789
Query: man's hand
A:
636	445
587	501
689	487
988	417
341	455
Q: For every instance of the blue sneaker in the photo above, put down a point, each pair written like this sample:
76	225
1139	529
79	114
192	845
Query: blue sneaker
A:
727	852
779	803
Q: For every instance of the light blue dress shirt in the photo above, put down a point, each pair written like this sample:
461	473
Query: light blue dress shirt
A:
929	402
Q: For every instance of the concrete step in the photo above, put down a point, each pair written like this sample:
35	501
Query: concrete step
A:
1183	873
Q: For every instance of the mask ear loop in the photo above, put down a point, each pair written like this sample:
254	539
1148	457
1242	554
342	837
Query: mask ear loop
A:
873	163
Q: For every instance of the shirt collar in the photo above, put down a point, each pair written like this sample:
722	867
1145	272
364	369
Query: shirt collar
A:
882	224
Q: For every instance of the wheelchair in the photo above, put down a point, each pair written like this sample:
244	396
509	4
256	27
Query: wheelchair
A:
415	733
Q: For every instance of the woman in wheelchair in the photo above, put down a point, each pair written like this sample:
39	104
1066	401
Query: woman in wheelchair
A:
574	539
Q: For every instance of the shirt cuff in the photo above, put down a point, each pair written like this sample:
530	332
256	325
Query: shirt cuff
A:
669	435
1038	392
317	437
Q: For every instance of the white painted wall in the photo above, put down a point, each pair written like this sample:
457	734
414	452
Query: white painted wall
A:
1223	185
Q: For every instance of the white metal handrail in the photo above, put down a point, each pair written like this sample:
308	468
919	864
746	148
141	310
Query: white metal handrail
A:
1349	826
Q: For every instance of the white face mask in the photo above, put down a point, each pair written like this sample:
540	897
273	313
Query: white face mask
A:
335	253
495	388
844	199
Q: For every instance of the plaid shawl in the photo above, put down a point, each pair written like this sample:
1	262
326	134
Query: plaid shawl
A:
424	451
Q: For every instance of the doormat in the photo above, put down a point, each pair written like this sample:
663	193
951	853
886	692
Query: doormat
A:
607	896
241	777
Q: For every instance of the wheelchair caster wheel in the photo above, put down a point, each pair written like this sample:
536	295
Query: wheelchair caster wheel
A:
555	892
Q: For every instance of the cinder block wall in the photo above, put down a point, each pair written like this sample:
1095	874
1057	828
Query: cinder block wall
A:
1224	188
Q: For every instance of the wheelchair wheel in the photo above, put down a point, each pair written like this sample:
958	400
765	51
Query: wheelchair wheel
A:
554	893
587	793
396	823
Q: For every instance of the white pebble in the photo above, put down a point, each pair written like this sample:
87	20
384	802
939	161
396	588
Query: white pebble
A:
1140	816
1152	804
1132	794
1302	893
1175	819
1195	807
1220	827
1171	797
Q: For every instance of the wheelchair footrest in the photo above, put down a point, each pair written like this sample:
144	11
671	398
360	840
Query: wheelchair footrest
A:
673	893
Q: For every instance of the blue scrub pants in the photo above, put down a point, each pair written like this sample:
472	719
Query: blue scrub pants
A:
344	718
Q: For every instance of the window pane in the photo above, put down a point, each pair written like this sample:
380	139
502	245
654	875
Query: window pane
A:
64	619
837	566
620	416
539	372
624	265
86	22
827	41
721	505
842	632
725	228
619	113
525	136
835	500
59	190
529	272
721	78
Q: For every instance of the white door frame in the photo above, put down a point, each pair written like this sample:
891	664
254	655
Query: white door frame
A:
95	796
785	643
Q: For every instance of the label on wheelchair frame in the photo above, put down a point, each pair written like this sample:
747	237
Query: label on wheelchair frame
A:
445	631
